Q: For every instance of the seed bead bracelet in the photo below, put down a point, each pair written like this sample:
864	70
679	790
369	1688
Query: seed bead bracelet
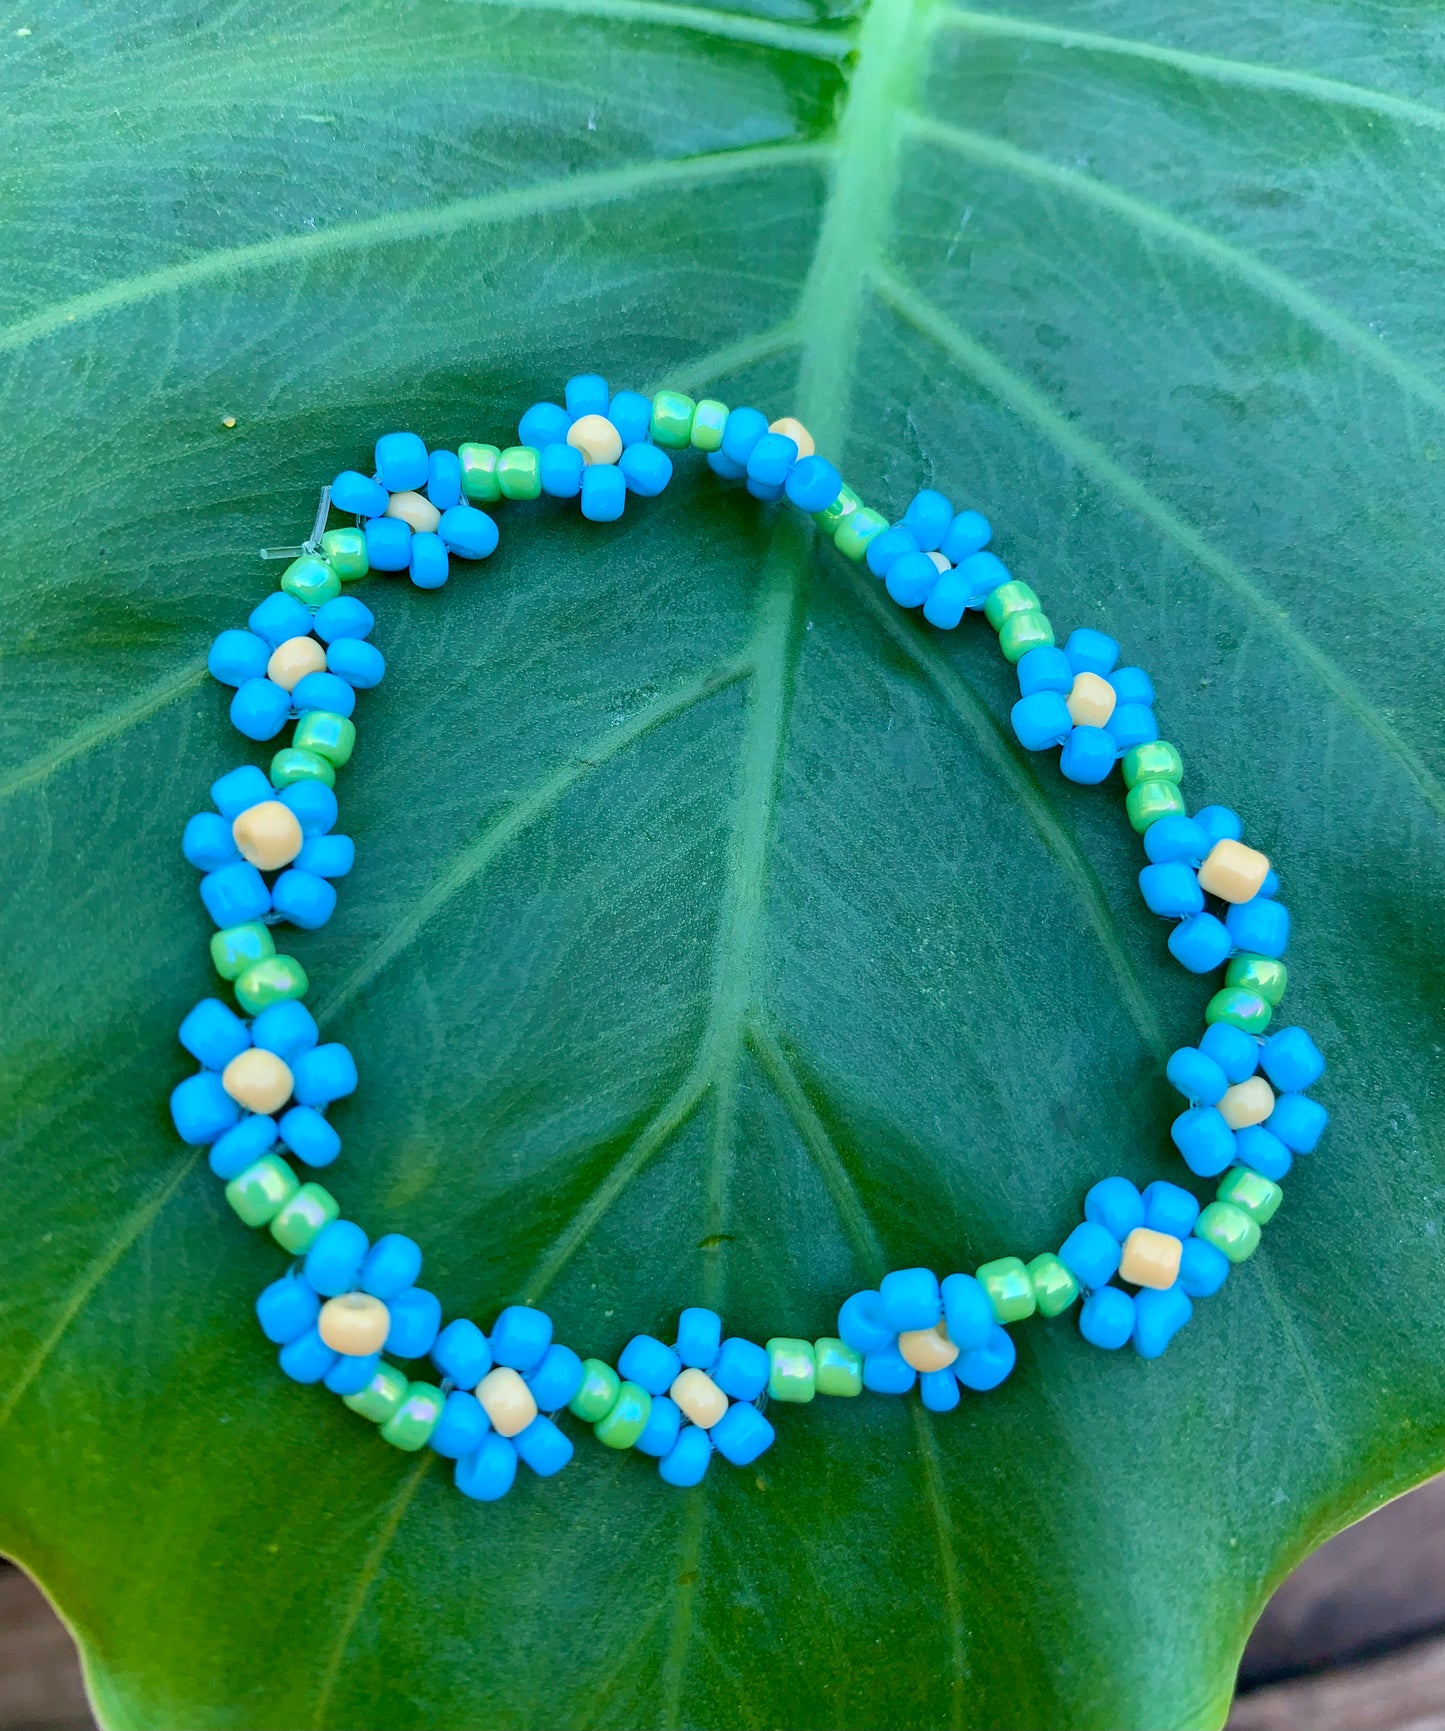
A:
348	1308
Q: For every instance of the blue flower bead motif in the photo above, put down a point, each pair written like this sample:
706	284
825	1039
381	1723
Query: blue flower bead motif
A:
910	1301
413	513
934	558
602	478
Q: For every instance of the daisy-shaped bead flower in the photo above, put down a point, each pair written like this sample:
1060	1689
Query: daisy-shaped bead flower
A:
914	1330
413	512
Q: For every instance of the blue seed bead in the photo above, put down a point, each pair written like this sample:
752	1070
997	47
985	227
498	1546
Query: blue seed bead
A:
323	1074
1269	889
461	1429
1045	669
392	1265
235	895
863	1325
545	424
911	579
1174	838
1158	1317
947	601
286	1309
631	413
586	394
1204	1140
543	1447
813	484
487	1475
1171	890
1116	1205
349	1375
328	856
285	1029
307	1358
358	495
309	1137
1132	724
1200	943
280	617
326	691
741	431
604	492
1292	1060
699	1335
983	572
1197	1077
401	462
911	1299
888	1372
1259	1149
968	1311
361	665
740	1369
333	1263
1088	756
688	1461
1091	1254
468	532
1170	1208
884	550
930	517
1219	823
767	491
645	468
237	656
213	1034
388	544
1298	1122
239	789
416	1317
312	803
659	1435
968	533
303	899
1091	651
343	617
1107	1319
208	842
939	1390
561	470
1132	685
988	1365
444	479
649	1363
1261	928
741	1434
1235	1052
461	1352
1203	1268
722	464
521	1335
244	1144
260	708
1042	720
771	459
557	1378
429	564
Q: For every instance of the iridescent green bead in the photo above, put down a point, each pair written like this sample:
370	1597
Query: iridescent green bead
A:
382	1396
1228	1229
1008	599
1261	974
519	472
415	1418
345	551
1021	632
479	472
1156	760
296	1226
628	1418
1055	1289
1147	801
332	737
844	505
238	947
1010	1290
708	420
260	1192
1258	1196
672	419
291	765
856	530
792	1369
311	580
1241	1008
839	1370
272	980
598	1393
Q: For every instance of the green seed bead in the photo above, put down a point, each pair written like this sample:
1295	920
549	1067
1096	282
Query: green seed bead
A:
1261	974
411	1425
296	1226
839	1369
628	1418
237	947
1147	801
1055	1289
831	517
479	472
310	580
1010	1290
1241	1008
1156	760
1008	599
672	419
330	736
345	551
708	420
519	472
792	1369
260	1192
291	765
272	980
856	530
382	1396
1228	1229
1021	632
598	1393
1259	1197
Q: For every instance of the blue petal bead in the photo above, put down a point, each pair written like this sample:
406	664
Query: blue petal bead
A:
323	1074
1174	838
401	462
649	1363
1235	1052
1171	890
911	579
468	532
305	900
259	709
968	1311
208	842
1219	823
1132	724
1116	1205
307	1358
631	413
545	424
444	479
688	1461
911	1299
521	1335
461	1429
543	1447
242	1146
1041	720
1158	1317
333	1263
349	1375
659	1435
1088	756
740	1369
771	459
1204	1140
1107	1318
388	544
361	665
586	394
930	517
286	1309
358	495
416	1316
328	856
313	805
1170	1208
699	1335
1132	685
462	1353
286	1029
1090	651
939	1390
983	572
392	1265
561	470
326	691
309	1137
947	601
343	617
968	533
1045	669
487	1475
1197	1077
279	617
646	469
1200	943
1091	1253
1292	1060
888	1372
604	493
741	1434
814	484
1269	889
429	564
1260	1149
1203	1268
1298	1122
883	550
767	491
213	1034
741	431
1260	928
863	1325
235	895
556	1379
237	656
989	1365
239	789
722	464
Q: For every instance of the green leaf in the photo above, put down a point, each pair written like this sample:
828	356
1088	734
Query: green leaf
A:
710	940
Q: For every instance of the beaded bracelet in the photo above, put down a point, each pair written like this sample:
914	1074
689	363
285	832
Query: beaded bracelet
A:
347	1307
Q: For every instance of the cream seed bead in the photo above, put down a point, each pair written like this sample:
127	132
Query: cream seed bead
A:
596	438
258	1080
927	1348
1092	700
699	1397
1246	1103
506	1400
1150	1258
416	510
292	660
797	432
940	564
356	1324
268	835
1233	872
